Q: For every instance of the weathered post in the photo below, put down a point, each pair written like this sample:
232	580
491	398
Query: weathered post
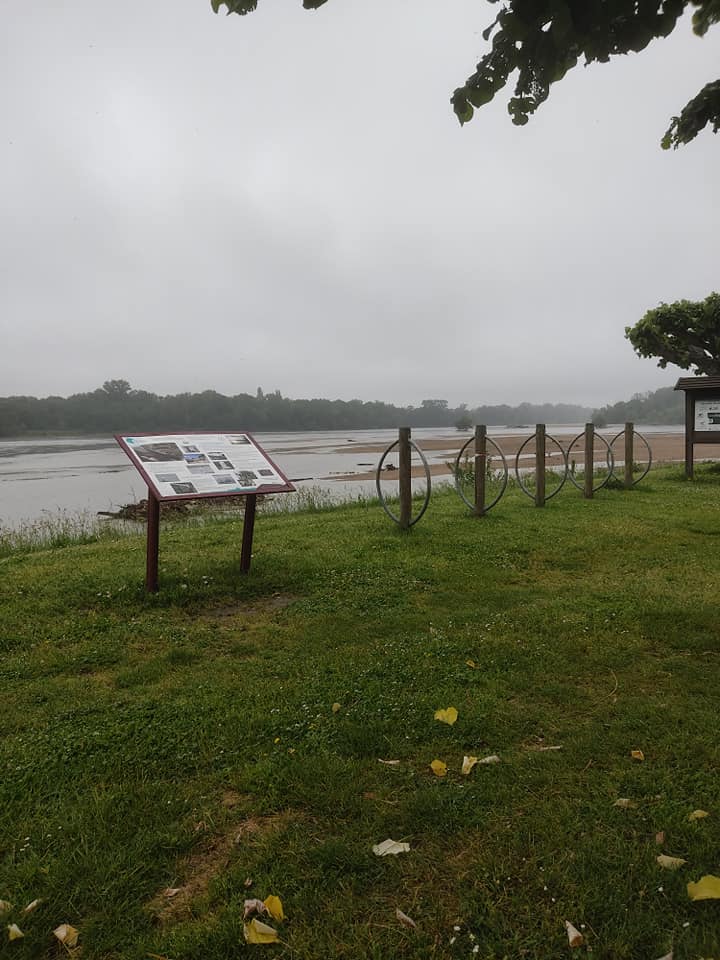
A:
629	452
247	534
405	479
589	461
539	464
480	468
153	542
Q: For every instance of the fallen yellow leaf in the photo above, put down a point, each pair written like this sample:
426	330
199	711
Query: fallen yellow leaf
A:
637	754
32	906
438	768
67	935
670	863
335	707
258	932
493	758
467	764
390	847
471	664
575	938
625	803
14	932
698	815
389	763
275	908
5	906
707	888
449	715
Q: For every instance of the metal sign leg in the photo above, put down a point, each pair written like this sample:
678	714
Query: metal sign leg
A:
153	542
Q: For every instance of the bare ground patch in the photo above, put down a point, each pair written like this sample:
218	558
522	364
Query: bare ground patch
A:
197	871
238	611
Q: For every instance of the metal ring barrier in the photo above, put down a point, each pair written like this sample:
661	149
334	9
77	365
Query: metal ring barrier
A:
609	459
522	486
428	479
647	447
458	485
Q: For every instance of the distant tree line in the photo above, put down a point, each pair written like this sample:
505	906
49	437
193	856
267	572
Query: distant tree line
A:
665	405
116	407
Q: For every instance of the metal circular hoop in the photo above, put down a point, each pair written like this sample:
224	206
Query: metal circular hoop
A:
428	480
458	485
647	447
517	467
610	460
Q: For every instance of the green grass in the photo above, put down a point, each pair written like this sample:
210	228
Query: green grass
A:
187	740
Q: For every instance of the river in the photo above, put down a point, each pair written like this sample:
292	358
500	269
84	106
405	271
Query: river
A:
87	474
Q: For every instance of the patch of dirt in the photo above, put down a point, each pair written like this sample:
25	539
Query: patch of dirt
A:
197	872
235	611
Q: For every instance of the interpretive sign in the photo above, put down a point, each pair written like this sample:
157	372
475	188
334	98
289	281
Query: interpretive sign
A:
702	414
707	414
192	466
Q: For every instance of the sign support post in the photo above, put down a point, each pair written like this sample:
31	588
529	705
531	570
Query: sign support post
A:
248	530
153	542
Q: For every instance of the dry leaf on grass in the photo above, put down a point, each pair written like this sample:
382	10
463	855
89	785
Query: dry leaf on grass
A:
707	888
637	754
335	707
14	932
439	768
449	715
467	764
33	905
253	906
389	763
698	815
258	932
171	892
660	837
668	956
493	758
625	803
405	920
67	935
5	906
471	664
274	907
575	938
670	863
390	847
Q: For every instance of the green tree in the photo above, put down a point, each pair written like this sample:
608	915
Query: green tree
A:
685	333
537	41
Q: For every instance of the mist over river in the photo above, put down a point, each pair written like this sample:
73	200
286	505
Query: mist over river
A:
87	474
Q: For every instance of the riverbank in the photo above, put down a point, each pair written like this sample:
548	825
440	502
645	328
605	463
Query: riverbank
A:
168	757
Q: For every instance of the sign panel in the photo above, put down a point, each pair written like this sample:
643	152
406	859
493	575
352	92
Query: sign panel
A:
203	465
707	415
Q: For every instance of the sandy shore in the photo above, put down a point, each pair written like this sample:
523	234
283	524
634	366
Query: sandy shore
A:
665	448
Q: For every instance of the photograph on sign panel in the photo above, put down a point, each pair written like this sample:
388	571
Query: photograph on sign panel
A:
158	452
184	487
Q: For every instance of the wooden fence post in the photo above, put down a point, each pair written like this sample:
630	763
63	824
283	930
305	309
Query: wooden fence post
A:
589	460
405	479
539	464
629	438
480	468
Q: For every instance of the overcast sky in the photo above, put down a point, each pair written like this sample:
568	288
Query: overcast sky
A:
286	200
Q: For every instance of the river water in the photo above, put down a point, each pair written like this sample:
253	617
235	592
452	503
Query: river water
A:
86	474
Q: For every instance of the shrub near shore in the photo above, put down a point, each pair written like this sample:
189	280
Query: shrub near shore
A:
168	757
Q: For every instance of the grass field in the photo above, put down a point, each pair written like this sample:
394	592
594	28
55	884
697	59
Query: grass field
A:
222	739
